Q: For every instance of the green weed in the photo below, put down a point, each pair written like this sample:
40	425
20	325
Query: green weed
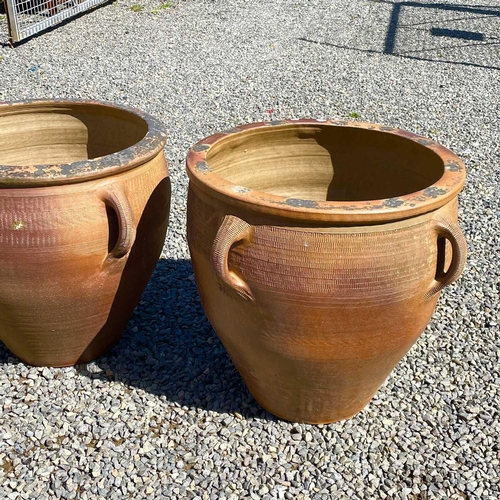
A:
161	7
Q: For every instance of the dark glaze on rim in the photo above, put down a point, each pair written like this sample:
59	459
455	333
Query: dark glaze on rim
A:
416	203
78	171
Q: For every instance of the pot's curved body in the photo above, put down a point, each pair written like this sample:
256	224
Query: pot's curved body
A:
314	310
79	238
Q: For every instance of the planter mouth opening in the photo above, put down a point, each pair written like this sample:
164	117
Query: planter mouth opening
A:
327	170
47	142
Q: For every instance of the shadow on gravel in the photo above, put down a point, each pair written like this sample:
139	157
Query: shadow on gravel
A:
169	349
429	42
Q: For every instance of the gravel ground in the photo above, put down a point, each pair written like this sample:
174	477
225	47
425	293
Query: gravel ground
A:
165	414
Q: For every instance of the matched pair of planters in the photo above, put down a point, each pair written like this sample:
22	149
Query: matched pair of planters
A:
319	248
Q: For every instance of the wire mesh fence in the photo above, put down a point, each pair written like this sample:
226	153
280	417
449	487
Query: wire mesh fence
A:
27	17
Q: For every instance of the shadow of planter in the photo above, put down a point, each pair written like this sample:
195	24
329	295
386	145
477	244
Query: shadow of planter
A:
169	349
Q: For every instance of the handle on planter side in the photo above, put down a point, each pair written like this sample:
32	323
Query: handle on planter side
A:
232	230
114	196
455	236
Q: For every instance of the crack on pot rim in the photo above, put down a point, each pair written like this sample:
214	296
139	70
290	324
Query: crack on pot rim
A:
393	202
202	166
301	203
199	148
240	189
423	141
453	166
434	191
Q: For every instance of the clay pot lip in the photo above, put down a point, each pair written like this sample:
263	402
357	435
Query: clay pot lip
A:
67	173
431	198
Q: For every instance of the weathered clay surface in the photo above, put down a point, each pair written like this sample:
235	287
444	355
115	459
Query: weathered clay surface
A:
317	286
80	232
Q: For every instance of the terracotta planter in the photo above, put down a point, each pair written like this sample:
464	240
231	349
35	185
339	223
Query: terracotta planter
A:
319	251
84	203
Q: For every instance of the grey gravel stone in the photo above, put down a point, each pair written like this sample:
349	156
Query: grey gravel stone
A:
165	414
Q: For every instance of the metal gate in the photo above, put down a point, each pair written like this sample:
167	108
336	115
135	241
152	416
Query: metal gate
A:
27	17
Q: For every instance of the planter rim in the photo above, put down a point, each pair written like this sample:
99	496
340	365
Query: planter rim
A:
68	173
426	200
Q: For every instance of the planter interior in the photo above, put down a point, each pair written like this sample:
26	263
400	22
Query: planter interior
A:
64	133
325	163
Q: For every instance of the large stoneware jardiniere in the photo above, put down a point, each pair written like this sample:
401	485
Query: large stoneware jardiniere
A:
84	204
319	251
